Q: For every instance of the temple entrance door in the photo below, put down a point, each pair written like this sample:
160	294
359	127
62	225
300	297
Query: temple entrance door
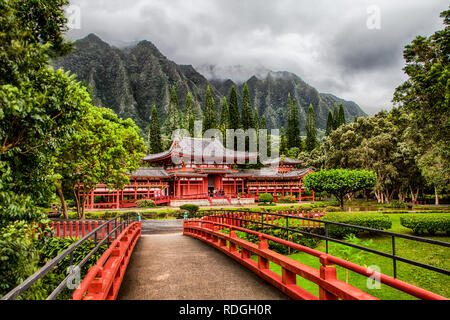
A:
210	184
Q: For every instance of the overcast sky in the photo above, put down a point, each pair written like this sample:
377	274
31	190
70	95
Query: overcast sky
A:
352	49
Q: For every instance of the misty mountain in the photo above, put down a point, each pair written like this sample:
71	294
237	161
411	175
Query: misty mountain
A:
131	80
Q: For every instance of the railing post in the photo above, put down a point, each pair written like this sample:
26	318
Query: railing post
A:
64	229
233	247
328	273
58	229
263	263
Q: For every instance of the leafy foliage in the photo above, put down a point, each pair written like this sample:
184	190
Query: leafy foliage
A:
340	182
430	223
146	203
265	197
191	208
370	220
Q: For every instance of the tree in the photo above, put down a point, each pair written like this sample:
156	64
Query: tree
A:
210	115
283	142
103	149
38	104
173	121
340	182
38	109
335	117
435	171
311	129
247	110
154	133
190	116
342	120
235	119
293	124
224	114
330	123
425	96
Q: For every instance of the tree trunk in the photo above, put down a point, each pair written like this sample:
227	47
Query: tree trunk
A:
63	201
77	200
437	196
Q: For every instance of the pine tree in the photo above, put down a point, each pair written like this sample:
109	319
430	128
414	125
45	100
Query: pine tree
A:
329	124
335	117
154	133
235	119
283	142
263	126
342	120
210	115
173	121
256	119
247	110
224	114
189	117
293	129
311	129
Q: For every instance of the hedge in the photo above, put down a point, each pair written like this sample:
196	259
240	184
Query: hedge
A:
369	220
146	203
427	223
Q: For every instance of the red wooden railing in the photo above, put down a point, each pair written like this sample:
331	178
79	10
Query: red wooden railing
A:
330	287
104	279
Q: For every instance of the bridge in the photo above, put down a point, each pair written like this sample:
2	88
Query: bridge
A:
207	258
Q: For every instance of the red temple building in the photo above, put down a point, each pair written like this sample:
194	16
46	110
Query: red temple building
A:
204	172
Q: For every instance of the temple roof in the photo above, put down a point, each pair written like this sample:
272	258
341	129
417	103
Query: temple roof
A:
282	160
150	172
200	147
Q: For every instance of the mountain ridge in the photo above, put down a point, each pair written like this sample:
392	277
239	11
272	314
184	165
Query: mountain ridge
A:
131	79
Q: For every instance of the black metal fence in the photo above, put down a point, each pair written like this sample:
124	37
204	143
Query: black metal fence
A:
325	236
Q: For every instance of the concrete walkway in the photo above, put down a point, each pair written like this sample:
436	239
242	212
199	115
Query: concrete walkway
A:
177	267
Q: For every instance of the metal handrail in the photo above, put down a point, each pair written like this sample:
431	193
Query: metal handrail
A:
325	237
27	283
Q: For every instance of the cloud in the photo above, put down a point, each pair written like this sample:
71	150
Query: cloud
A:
326	43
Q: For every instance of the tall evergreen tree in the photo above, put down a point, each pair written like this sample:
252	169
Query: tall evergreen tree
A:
293	125
224	114
235	118
311	129
154	133
263	126
329	124
190	116
256	119
247	110
173	121
335	117
283	142
210	115
341	115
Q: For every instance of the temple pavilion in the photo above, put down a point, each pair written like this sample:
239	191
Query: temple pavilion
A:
202	171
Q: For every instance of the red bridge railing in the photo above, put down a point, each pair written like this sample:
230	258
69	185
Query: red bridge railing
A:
207	229
104	279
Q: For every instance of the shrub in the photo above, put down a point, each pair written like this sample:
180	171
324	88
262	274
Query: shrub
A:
191	208
370	220
397	204
265	197
146	203
286	199
427	223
